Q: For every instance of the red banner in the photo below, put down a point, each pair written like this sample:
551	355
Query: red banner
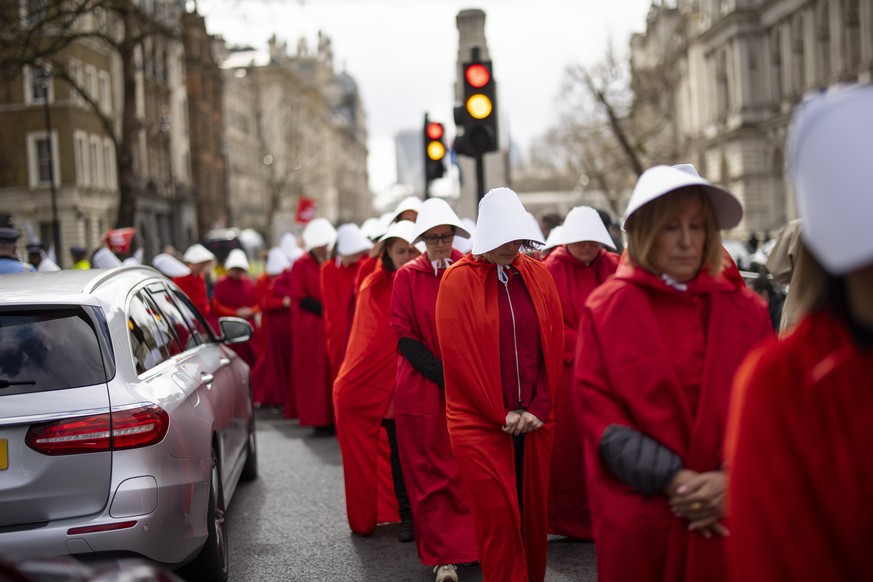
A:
306	209
119	240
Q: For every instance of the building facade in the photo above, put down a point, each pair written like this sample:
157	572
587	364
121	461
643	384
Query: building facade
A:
741	67
301	133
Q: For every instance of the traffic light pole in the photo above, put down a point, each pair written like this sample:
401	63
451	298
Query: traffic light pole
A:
480	177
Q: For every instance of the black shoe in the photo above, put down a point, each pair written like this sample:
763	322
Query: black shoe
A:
406	533
324	431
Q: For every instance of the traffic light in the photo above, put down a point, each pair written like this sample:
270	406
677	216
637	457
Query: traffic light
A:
434	150
478	113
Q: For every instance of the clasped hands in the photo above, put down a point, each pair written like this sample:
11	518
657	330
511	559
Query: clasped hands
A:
700	498
520	422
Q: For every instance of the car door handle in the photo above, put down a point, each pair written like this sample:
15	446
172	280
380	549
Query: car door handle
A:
206	377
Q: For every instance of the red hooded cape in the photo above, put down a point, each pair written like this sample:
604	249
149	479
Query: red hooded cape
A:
648	360
361	395
337	287
309	367
228	296
799	458
440	505
194	286
468	327
273	370
568	500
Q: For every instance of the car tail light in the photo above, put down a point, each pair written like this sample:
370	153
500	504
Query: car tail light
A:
74	531
113	431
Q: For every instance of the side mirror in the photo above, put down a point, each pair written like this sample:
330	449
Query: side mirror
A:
234	330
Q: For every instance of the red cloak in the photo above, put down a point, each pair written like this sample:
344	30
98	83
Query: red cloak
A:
228	296
510	549
660	361
194	286
337	286
362	392
568	500
440	504
273	370
799	458
309	366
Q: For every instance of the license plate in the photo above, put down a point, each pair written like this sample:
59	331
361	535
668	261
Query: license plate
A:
4	455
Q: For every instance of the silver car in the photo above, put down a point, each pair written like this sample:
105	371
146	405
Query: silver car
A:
125	424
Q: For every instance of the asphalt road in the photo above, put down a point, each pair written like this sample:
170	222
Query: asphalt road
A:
290	524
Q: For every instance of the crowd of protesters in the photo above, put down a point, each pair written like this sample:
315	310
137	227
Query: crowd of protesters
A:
489	386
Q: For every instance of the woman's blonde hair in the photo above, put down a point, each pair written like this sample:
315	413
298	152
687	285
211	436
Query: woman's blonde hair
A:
646	223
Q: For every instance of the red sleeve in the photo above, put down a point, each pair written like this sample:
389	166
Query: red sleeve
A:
402	312
541	403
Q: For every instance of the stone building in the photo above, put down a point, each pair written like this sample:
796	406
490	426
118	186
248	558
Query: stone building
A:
739	68
205	87
86	99
306	137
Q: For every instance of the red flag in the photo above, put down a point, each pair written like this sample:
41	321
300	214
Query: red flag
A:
119	240
306	209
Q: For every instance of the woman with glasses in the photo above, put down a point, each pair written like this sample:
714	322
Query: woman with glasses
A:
440	505
658	346
501	336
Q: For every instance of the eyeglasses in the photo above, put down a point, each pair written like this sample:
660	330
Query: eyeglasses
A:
433	239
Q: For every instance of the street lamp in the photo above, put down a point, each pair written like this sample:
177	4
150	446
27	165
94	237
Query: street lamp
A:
45	76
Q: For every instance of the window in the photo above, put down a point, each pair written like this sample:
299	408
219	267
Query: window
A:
192	316
108	164
52	349
189	336
80	154
103	91
149	340
42	162
88	81
94	156
75	73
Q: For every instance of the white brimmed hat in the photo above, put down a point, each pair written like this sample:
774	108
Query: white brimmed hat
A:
105	259
465	245
408	203
277	261
47	265
502	218
318	233
554	237
583	223
830	150
197	253
236	259
170	266
350	240
437	212
404	229
660	180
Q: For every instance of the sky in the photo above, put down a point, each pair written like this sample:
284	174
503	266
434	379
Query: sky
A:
402	54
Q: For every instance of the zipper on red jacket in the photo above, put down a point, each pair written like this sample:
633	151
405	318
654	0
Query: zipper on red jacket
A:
514	340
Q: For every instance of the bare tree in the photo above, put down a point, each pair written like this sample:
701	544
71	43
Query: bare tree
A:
38	36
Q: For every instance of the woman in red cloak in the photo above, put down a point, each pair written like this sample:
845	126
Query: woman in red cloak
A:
234	296
800	432
579	263
272	374
199	259
309	364
658	346
440	504
499	323
338	277
363	398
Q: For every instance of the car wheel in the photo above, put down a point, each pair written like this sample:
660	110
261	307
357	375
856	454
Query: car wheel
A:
250	469
212	563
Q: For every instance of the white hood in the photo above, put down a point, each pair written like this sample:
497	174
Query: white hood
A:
502	218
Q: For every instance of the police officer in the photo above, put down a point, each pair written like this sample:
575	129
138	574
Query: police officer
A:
9	262
80	257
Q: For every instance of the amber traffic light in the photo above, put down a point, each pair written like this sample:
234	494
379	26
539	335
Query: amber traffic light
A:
478	113
434	150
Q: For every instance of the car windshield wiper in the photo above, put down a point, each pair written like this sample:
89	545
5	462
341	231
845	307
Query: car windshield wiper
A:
8	383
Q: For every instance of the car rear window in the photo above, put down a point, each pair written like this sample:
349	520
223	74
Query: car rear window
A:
52	349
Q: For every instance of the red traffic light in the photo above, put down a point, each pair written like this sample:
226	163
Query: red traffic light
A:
434	130
477	75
